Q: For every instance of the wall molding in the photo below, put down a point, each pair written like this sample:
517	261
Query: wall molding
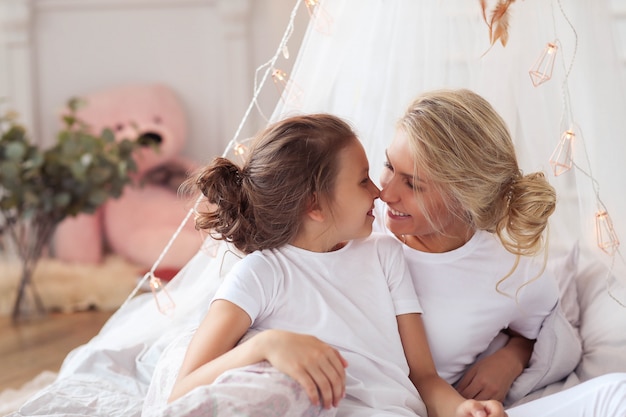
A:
15	22
17	83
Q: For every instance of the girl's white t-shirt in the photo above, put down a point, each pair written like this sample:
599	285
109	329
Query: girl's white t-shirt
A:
463	310
348	298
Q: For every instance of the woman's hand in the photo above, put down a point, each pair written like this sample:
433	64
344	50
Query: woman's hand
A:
473	408
317	366
492	376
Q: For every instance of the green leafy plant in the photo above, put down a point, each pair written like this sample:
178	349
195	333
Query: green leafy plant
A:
41	187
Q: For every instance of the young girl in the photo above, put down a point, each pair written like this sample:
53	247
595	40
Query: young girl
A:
301	208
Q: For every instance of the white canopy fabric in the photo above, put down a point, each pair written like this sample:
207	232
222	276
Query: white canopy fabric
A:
381	54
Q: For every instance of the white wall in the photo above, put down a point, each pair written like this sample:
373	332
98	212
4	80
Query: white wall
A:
206	50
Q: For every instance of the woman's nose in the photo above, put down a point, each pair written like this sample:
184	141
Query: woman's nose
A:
386	192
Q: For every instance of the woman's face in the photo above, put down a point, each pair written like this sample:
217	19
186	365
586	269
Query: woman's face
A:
413	199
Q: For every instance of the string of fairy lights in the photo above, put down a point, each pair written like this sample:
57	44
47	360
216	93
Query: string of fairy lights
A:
541	72
322	22
562	159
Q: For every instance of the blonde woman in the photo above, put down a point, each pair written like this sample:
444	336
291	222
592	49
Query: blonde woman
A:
472	225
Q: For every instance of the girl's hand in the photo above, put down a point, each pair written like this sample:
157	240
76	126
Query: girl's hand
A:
473	408
317	366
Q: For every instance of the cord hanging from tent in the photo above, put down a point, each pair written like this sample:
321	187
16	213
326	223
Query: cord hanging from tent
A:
163	299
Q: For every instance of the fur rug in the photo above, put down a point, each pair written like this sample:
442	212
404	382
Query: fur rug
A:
64	287
71	287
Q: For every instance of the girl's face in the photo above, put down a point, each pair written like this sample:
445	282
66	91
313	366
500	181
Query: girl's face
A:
417	209
351	210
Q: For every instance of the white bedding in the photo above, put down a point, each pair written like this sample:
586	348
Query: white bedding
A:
110	375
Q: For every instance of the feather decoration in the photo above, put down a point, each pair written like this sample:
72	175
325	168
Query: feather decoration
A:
498	24
483	6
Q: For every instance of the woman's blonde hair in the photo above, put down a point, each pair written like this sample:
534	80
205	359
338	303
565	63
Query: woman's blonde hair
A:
261	204
461	143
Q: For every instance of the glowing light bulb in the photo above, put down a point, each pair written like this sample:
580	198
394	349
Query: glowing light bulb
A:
561	159
279	76
605	234
542	70
323	21
240	151
163	299
290	92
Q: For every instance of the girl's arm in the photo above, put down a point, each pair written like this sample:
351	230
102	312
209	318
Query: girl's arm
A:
317	366
222	327
441	399
493	376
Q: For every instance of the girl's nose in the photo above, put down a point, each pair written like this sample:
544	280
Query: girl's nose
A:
385	180
374	190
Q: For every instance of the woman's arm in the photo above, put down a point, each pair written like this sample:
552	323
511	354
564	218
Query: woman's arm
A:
441	399
493	375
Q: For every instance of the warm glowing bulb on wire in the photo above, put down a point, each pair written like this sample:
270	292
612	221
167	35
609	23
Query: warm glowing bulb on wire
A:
323	21
605	234
542	70
240	150
561	159
290	92
165	303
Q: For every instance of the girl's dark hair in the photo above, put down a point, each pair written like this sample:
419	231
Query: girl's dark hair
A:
260	205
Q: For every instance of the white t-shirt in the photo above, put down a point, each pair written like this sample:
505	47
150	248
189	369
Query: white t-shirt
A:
348	298
463	311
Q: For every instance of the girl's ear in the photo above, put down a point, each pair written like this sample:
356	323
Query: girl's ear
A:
315	211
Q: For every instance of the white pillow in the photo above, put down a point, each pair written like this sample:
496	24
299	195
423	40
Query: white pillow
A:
556	354
565	269
558	349
602	320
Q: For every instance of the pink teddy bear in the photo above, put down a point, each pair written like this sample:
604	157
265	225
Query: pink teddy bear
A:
139	224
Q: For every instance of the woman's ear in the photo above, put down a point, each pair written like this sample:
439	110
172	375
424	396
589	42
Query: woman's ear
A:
314	210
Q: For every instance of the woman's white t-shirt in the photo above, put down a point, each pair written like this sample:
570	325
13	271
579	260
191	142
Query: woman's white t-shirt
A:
463	310
348	298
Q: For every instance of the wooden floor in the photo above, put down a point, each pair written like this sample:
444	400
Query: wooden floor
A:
30	347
